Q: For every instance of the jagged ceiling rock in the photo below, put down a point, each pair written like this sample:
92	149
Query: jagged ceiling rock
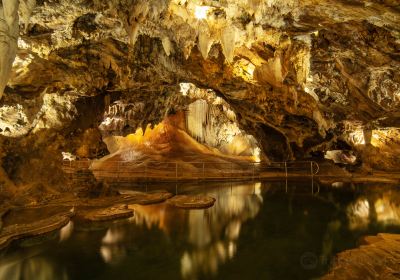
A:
293	71
362	72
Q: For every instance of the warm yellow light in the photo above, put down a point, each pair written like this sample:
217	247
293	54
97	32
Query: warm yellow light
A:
357	137
244	69
382	137
257	154
250	69
200	12
387	212
185	87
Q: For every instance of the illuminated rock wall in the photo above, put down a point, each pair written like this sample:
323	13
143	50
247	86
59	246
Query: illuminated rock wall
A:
299	76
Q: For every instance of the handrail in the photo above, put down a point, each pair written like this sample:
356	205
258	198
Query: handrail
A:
317	165
256	167
196	162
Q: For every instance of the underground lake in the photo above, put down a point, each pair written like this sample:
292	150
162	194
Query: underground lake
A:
260	230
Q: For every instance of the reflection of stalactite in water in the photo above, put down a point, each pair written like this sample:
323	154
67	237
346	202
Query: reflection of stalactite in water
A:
150	216
30	268
358	214
112	249
213	233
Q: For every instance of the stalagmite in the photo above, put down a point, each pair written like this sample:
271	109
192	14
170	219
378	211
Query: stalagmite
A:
9	30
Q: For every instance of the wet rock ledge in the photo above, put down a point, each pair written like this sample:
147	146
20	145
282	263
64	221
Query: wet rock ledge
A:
191	201
87	210
42	226
106	214
377	258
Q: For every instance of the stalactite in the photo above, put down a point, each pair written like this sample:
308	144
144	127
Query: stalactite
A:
167	45
9	29
26	8
229	113
228	41
205	43
196	119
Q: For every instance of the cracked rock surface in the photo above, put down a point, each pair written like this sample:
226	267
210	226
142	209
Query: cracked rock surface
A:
302	77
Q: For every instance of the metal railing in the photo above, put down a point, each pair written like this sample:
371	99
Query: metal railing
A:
160	171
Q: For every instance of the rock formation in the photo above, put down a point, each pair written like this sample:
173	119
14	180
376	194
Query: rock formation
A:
301	77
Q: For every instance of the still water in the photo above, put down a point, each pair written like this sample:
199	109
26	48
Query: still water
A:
256	230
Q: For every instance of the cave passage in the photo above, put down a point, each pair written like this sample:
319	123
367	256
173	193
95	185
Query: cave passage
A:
199	139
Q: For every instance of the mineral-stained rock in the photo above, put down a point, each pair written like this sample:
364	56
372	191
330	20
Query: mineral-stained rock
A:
191	201
301	77
106	214
46	225
377	258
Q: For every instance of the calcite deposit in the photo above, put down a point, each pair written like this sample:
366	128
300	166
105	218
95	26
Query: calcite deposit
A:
272	80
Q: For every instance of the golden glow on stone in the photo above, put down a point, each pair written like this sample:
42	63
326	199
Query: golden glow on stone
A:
200	12
22	44
257	154
21	63
184	88
244	69
380	137
357	137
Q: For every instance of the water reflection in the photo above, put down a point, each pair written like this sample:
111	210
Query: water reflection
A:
213	232
192	244
66	231
112	248
358	214
374	208
373	211
150	216
387	210
27	264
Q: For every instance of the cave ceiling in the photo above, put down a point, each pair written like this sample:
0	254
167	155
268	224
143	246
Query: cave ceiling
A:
300	71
